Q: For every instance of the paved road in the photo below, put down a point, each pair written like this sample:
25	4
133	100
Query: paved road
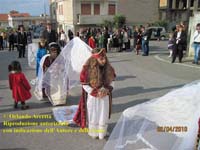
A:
139	79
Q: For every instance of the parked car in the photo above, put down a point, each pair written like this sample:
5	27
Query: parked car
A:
158	32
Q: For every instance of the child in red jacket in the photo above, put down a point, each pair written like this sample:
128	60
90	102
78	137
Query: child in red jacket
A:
19	85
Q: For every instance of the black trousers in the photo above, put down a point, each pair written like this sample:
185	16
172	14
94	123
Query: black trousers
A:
177	50
21	50
11	46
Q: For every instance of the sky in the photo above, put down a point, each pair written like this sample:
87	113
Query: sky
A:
33	7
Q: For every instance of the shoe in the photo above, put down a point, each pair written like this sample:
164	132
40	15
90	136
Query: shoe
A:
15	106
193	62
94	137
24	107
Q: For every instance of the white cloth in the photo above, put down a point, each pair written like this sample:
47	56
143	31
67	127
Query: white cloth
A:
178	37
39	79
98	113
32	52
64	72
65	113
125	37
138	126
63	37
196	36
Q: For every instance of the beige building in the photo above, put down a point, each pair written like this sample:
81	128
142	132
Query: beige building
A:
139	11
75	14
176	11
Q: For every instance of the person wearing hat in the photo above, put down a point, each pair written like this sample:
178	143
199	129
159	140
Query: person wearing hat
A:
54	51
40	53
96	77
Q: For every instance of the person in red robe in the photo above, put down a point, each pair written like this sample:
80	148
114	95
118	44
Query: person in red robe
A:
96	78
19	85
91	42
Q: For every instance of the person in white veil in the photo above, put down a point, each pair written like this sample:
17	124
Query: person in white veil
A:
63	74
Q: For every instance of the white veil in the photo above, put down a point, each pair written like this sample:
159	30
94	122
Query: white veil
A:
64	72
32	52
39	79
137	129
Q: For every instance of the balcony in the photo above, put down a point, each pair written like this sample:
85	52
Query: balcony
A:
92	19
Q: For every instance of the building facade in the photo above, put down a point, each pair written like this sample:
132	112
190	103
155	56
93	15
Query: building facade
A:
139	11
175	11
76	14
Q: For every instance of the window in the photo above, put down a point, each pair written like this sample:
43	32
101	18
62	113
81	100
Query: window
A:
60	9
96	9
192	3
86	9
111	9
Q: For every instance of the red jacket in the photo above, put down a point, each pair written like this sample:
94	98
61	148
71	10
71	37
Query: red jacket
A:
91	43
19	86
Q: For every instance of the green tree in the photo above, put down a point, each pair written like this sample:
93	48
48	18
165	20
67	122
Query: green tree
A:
108	23
119	21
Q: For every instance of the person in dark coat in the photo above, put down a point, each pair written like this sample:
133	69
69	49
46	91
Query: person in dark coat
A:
1	42
105	39
70	35
180	38
11	40
49	34
21	41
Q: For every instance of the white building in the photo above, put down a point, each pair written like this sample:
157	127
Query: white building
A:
75	14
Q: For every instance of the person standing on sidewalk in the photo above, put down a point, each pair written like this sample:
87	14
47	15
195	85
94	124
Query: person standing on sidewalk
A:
196	43
146	35
21	41
180	41
11	40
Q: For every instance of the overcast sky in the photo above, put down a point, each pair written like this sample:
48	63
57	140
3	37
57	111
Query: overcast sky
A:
34	7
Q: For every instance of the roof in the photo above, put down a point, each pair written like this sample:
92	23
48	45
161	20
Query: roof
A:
3	17
20	15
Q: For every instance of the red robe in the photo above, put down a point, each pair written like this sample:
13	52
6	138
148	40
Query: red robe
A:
19	86
80	116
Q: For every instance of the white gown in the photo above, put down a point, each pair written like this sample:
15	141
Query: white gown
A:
98	113
178	110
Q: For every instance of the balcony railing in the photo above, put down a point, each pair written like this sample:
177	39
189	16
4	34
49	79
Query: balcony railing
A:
92	19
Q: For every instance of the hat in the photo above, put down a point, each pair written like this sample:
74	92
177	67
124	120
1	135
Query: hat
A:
53	46
97	52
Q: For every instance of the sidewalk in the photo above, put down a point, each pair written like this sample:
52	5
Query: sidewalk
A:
187	61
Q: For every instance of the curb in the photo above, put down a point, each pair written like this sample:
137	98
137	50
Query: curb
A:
180	64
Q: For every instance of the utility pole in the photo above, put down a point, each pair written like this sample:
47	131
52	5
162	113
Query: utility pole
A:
45	12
